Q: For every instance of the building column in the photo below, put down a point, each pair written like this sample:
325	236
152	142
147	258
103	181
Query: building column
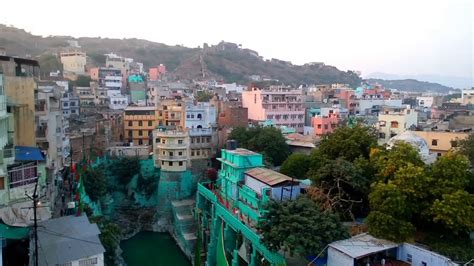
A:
235	258
253	257
212	247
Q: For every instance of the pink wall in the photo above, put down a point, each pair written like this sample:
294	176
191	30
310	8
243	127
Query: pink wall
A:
94	73
154	73
253	101
325	124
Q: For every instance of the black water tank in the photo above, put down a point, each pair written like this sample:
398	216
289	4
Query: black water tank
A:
231	144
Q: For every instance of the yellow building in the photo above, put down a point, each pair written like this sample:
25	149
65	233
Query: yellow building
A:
19	86
139	123
440	142
170	149
173	113
74	62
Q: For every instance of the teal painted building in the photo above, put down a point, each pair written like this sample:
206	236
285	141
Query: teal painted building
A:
229	210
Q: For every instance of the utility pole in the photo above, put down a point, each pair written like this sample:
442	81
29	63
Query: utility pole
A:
35	198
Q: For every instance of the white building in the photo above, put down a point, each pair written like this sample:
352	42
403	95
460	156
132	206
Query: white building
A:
363	105
364	249
467	96
118	102
51	126
424	101
200	115
393	121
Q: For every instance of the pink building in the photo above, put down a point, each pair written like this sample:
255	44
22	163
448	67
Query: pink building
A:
94	73
282	105
348	98
156	72
323	125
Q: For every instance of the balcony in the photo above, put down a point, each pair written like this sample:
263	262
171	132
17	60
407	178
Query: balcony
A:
172	158
41	134
171	146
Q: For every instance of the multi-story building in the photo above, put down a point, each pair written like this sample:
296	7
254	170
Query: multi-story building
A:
115	61
233	117
155	73
74	62
171	149
236	203
440	142
282	105
200	115
467	96
325	124
172	113
19	87
70	104
50	126
118	102
201	125
139	123
138	88
393	121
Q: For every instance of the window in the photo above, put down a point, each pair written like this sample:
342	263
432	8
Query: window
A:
434	142
198	152
199	116
381	135
64	264
150	133
409	257
180	163
164	152
170	163
88	262
171	153
198	140
439	154
130	123
140	133
2	182
192	153
180	153
140	123
180	141
394	124
162	162
424	263
140	142
255	98
326	126
319	126
150	123
130	133
22	175
163	141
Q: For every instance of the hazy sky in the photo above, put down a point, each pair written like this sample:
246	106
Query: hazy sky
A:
399	37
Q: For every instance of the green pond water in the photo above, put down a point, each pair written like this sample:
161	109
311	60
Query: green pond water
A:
153	249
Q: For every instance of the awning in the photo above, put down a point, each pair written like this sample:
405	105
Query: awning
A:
13	232
25	153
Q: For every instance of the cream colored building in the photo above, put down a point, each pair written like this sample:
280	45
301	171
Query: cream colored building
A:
393	121
171	149
467	97
440	142
74	62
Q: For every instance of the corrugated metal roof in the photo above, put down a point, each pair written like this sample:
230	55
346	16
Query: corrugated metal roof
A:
25	153
362	245
67	239
268	176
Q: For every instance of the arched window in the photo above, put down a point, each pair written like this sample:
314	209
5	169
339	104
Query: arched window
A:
199	116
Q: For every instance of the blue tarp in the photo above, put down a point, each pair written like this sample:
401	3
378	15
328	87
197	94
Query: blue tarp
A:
25	153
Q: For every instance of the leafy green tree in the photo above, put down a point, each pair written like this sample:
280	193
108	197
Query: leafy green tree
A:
82	81
387	162
266	140
296	165
391	214
466	147
299	226
349	143
147	186
110	235
450	173
204	96
95	183
125	168
455	211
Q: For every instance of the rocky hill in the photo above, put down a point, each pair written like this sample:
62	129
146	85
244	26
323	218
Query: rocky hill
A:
225	62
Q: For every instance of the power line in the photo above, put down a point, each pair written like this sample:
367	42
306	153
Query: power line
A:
44	230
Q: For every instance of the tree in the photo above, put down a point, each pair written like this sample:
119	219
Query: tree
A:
455	211
466	147
341	186
296	165
390	215
450	173
95	183
349	143
299	227
204	96
110	235
125	168
82	81
387	162
266	140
